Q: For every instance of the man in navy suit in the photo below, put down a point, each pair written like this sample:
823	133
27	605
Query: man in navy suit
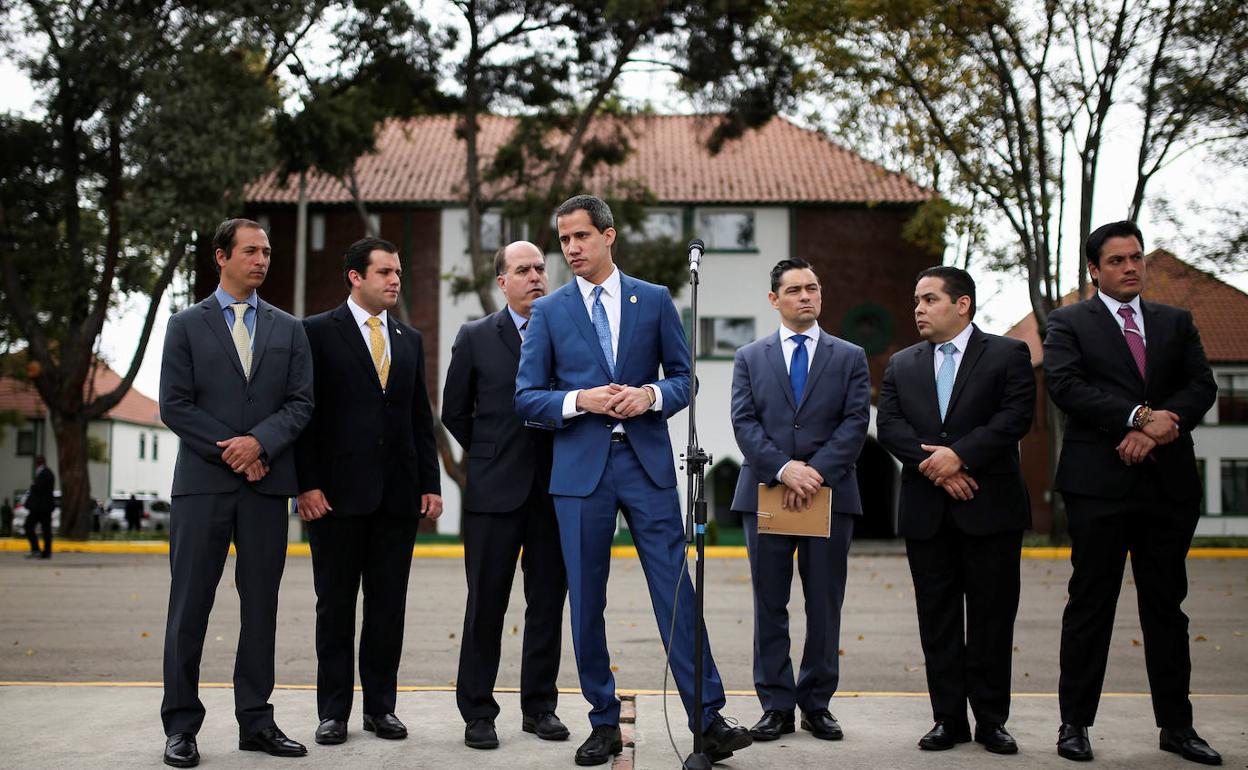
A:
801	401
589	366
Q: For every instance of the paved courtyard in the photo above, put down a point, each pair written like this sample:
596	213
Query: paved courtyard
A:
99	619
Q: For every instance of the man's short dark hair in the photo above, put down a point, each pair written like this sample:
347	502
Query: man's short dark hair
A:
784	266
598	210
500	260
358	253
40	460
1096	239
227	231
958	283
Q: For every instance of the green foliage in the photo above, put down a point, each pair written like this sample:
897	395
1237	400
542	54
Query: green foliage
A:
97	449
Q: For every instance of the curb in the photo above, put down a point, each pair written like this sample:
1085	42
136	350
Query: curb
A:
456	550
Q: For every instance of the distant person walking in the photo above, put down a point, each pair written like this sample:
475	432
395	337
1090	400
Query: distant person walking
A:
6	519
39	505
134	514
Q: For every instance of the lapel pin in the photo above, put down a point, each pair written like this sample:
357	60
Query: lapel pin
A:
397	330
633	299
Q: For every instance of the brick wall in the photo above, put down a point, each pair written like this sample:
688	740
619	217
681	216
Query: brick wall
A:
860	256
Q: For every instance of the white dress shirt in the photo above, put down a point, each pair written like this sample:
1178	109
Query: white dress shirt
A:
361	322
1112	305
960	342
788	346
610	299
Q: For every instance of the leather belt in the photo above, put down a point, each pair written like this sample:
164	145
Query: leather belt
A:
619	438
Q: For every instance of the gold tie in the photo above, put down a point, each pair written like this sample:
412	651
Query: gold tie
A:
242	340
378	345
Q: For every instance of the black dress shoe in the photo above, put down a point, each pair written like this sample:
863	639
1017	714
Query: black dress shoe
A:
1073	743
545	725
945	735
822	724
995	738
1187	744
480	734
721	739
181	751
385	726
331	732
272	741
602	744
775	722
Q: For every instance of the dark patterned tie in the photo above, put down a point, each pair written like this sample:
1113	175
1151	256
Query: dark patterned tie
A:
1135	339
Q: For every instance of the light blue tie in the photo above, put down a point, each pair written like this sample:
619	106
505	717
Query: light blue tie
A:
603	327
944	378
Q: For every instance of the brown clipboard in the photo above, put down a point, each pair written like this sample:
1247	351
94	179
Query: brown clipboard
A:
773	519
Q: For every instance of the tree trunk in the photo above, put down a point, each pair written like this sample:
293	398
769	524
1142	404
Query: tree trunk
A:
301	249
75	483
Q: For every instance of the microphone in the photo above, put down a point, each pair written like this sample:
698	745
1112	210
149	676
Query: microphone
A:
696	248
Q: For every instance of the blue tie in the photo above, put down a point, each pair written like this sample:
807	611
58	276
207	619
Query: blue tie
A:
944	378
603	327
797	367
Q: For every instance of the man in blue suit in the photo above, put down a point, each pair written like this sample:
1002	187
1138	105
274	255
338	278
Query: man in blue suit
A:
801	401
589	365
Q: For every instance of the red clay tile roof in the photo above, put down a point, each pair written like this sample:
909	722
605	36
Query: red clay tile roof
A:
21	397
421	160
1218	308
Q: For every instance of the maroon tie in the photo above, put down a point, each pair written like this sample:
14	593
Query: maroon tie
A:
1135	340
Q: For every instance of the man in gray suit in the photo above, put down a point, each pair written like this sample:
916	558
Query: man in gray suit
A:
236	387
801	400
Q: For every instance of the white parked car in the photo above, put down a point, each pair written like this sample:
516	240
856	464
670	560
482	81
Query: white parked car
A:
155	514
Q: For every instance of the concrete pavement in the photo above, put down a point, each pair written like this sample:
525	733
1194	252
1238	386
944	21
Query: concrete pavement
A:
99	619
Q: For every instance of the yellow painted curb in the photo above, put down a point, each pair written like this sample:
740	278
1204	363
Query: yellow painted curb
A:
456	550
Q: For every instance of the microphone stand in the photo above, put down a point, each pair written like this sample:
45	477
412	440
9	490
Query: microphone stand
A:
696	461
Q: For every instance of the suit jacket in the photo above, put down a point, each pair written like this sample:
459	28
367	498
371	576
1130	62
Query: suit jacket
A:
42	497
989	412
478	408
1094	380
205	398
368	449
561	353
827	430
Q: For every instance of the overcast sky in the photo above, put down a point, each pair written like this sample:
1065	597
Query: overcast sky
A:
1191	182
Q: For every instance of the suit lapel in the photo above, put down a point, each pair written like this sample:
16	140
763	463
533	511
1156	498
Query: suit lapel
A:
344	322
574	306
628	321
214	317
508	332
925	377
1154	339
775	357
1118	339
264	330
974	349
818	364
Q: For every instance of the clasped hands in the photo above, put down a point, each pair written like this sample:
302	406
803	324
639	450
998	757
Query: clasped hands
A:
1161	429
242	454
613	400
944	468
801	482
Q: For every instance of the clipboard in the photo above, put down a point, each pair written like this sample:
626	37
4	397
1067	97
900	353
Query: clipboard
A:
815	521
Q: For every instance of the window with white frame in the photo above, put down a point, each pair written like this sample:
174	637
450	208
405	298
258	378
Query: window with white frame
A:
727	230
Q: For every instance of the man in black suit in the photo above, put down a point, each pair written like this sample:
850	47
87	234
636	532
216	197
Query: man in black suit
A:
506	508
952	409
236	388
1133	381
39	505
368	472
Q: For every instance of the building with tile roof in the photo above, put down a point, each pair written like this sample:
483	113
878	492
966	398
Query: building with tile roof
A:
137	450
1218	310
777	192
